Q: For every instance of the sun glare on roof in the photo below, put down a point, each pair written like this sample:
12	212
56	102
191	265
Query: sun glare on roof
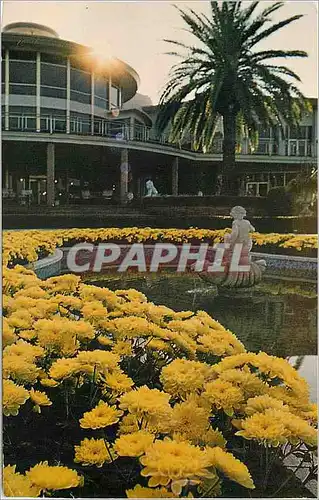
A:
102	55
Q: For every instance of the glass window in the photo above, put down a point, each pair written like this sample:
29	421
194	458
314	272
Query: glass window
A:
22	110
53	92
80	124
114	97
59	124
21	89
29	123
80	81
53	59
101	103
3	88
3	71
15	122
100	87
22	72
53	76
298	132
264	133
79	116
59	113
22	55
80	97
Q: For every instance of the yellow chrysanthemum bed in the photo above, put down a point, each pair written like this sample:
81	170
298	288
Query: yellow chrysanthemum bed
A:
28	245
106	394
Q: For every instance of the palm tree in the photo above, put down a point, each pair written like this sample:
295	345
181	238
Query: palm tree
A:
227	77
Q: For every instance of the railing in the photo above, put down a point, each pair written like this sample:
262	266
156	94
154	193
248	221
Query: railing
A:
121	130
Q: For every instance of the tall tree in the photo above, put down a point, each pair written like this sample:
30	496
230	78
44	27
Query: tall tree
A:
225	75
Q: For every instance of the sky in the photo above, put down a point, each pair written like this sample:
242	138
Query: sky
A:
134	32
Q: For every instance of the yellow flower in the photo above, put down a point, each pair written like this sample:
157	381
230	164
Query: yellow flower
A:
18	369
24	349
13	397
83	330
211	437
64	283
174	463
67	301
94	310
249	383
104	340
92	452
118	382
223	395
101	416
130	424
268	429
141	492
18	485
189	420
48	382
158	345
98	360
146	402
49	477
182	377
122	348
58	335
8	335
34	292
133	445
301	431
20	319
39	398
92	293
233	468
262	403
63	368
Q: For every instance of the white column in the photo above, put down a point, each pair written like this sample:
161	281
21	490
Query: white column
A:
120	97
245	145
282	148
270	141
6	178
132	125
110	87
50	174
6	91
68	94
175	177
124	176
38	93
92	103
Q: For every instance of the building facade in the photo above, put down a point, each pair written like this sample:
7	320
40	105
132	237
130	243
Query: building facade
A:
73	129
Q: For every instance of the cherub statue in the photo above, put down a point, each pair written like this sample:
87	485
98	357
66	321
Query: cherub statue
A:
237	278
240	230
150	188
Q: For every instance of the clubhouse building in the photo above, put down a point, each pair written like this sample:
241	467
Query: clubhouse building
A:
74	128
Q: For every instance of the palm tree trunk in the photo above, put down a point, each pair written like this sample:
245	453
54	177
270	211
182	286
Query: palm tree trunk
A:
229	149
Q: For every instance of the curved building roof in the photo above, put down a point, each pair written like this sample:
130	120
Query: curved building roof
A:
30	29
39	38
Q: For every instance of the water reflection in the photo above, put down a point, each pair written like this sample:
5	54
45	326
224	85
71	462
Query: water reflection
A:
278	318
308	368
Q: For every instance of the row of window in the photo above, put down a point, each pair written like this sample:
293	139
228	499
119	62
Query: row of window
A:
54	121
117	129
53	80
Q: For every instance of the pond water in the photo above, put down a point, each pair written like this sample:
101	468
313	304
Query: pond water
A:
279	316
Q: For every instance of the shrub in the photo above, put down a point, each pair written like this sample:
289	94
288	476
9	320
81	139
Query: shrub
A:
279	202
